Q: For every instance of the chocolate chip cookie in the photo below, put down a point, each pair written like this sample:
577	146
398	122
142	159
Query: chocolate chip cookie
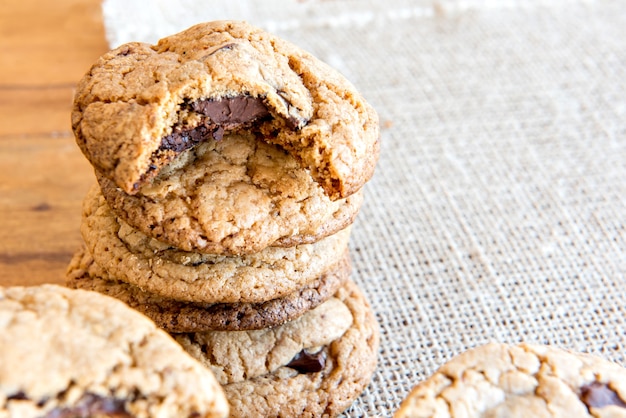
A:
176	316
141	105
316	365
131	256
525	380
70	353
234	196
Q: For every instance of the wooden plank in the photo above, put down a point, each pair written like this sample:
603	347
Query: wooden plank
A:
49	42
36	111
46	48
43	181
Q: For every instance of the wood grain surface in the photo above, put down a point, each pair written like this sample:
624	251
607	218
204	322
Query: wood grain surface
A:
45	47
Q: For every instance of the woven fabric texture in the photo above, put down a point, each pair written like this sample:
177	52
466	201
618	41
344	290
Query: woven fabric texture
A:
498	208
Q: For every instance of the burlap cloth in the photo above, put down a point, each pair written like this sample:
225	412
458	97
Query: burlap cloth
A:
498	209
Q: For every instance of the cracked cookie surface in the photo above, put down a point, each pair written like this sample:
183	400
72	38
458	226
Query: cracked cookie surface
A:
131	256
76	353
140	104
175	316
322	382
234	196
236	356
525	380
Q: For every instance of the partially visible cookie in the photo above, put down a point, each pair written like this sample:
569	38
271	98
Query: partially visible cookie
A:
316	365
73	353
140	105
176	316
525	380
234	196
131	256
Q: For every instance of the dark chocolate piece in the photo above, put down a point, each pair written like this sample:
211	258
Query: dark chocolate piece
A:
180	141
232	111
92	405
305	362
19	396
599	395
219	115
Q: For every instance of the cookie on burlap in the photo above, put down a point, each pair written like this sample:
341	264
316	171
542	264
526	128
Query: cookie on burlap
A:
176	316
140	105
73	353
515	381
233	196
131	256
314	366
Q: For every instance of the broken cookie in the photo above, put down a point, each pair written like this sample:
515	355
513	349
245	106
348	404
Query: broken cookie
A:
140	105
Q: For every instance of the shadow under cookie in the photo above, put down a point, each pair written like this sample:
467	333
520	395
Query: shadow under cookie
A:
178	317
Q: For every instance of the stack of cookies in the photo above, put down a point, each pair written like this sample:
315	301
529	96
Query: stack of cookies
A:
230	167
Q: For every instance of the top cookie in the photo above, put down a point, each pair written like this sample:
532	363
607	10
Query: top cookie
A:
140	105
73	353
526	380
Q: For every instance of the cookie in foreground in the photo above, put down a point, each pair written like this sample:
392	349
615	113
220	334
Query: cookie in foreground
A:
314	366
141	105
74	353
525	380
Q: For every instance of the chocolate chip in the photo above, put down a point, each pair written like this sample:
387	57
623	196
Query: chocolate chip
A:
179	141
599	395
218	116
305	362
232	111
92	405
19	396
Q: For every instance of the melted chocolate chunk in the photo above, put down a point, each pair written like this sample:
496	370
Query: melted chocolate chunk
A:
599	395
179	141
218	116
91	405
19	396
232	111
304	362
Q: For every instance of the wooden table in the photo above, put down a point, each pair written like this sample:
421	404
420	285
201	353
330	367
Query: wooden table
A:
45	47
